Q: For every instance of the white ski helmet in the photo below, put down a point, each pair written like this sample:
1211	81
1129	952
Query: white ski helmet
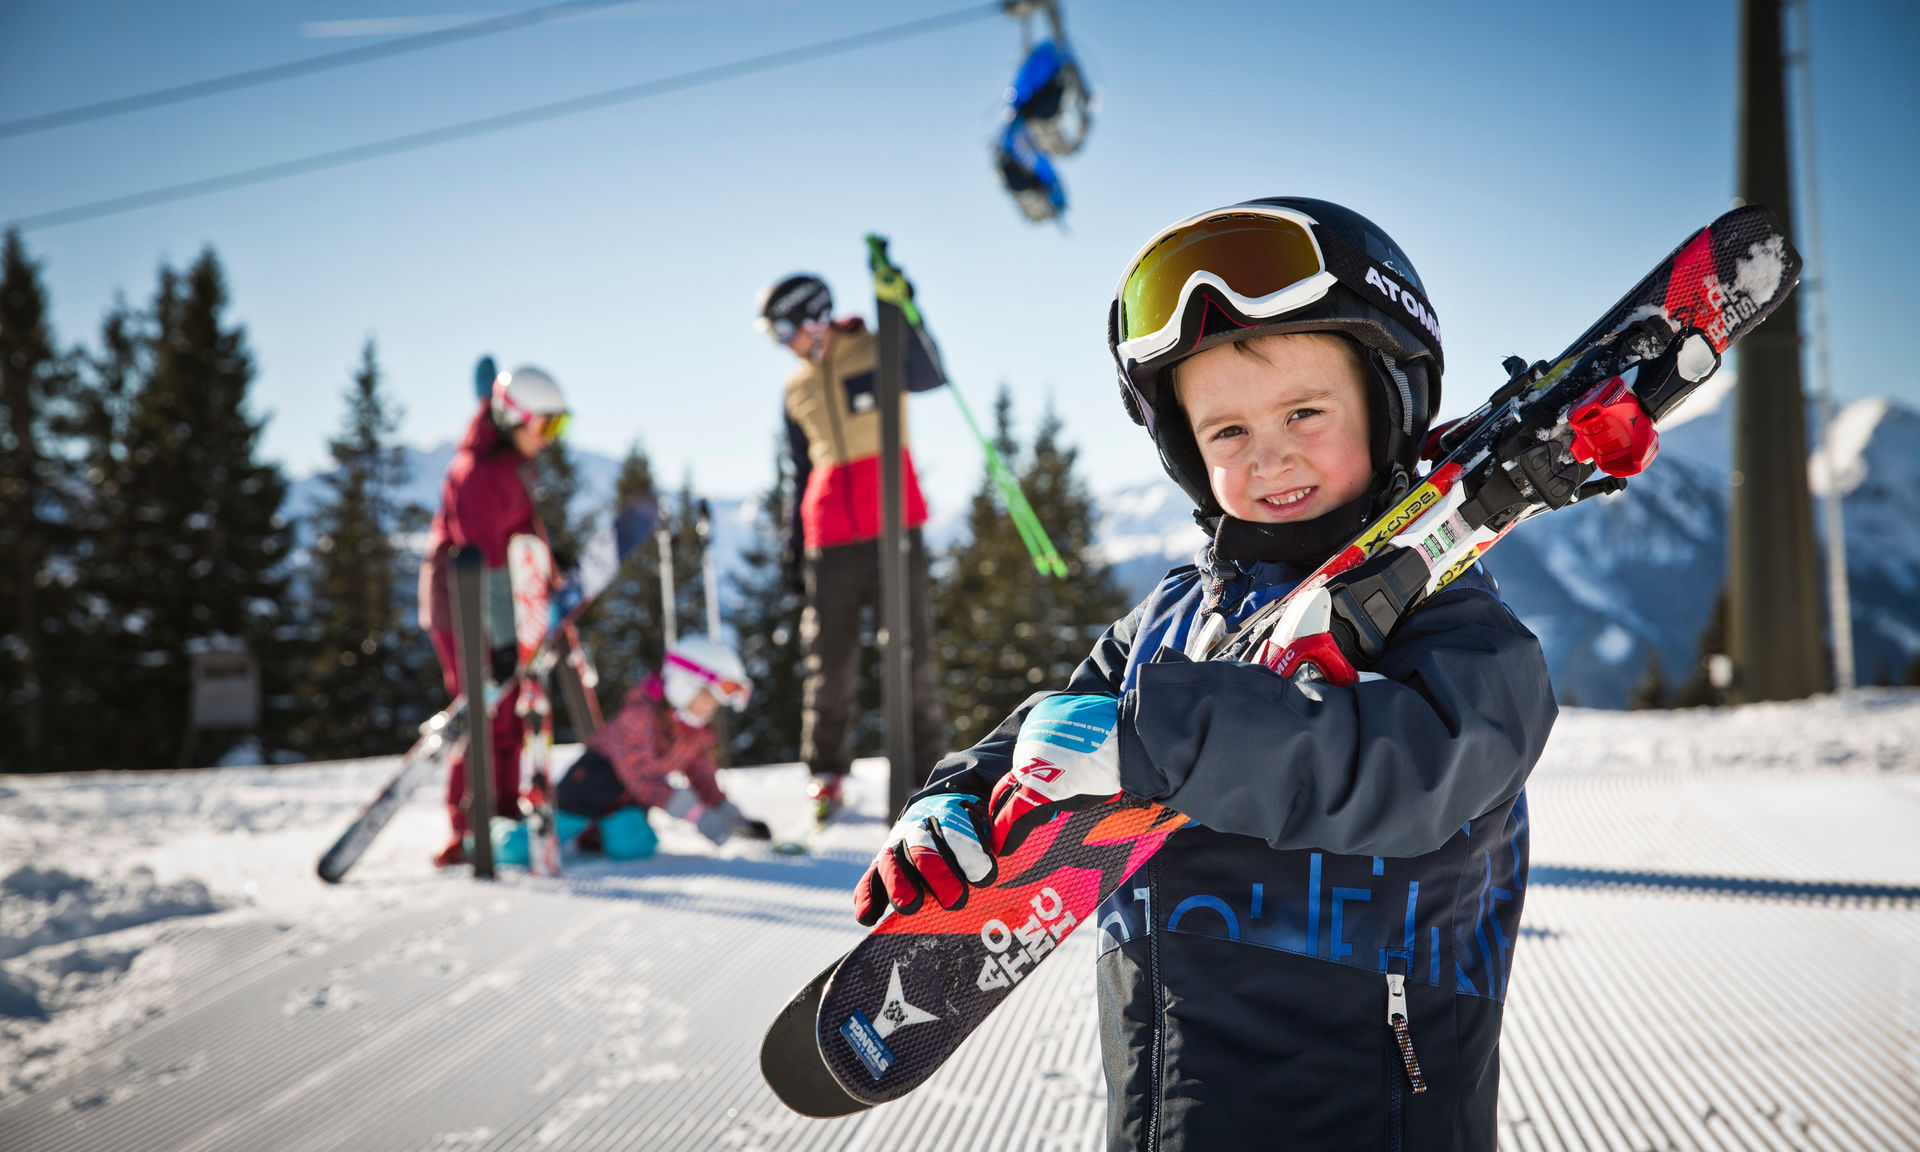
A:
696	662
528	396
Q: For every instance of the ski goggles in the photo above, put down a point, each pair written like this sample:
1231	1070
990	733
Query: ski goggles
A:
549	426
1260	262
733	693
781	329
1266	262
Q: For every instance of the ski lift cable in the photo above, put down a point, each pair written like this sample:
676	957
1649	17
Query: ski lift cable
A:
1839	606
486	125
252	77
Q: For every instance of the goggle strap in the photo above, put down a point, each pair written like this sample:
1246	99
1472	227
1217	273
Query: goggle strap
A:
1379	285
728	688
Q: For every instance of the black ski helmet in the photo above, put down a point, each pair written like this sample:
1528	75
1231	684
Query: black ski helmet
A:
1368	302
786	304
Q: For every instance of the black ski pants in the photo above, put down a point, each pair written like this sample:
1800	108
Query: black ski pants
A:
842	580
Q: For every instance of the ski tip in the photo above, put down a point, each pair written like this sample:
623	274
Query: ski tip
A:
790	1060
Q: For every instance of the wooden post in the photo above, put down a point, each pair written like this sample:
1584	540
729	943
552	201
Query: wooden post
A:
469	586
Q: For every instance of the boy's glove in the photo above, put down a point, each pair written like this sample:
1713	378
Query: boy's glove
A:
1067	757
715	821
938	846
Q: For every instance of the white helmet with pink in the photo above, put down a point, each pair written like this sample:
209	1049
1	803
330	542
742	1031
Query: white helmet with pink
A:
696	662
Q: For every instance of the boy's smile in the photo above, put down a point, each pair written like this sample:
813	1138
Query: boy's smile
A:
1281	422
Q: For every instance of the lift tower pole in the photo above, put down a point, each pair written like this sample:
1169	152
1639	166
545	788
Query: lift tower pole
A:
1773	587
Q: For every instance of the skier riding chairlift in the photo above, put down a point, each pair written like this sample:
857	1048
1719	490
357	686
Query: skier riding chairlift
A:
1050	95
1027	175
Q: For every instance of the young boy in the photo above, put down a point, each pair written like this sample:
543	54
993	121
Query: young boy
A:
661	729
1319	959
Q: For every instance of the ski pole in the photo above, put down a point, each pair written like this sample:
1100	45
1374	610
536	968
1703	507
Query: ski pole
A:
891	285
711	575
1045	558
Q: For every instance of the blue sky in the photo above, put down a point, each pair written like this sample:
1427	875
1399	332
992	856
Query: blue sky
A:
1533	159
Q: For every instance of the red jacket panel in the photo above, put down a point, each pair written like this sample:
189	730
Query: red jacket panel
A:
484	502
842	502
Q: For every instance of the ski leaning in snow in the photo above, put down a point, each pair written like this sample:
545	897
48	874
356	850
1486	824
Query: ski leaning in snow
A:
530	572
886	1016
445	731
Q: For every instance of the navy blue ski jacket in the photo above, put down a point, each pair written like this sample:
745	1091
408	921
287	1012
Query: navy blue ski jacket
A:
1340	836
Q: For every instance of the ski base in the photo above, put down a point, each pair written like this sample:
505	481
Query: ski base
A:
438	736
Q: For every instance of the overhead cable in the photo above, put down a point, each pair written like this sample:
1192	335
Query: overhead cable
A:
489	124
273	72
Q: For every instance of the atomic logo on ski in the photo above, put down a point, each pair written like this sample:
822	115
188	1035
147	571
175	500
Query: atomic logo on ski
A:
869	1039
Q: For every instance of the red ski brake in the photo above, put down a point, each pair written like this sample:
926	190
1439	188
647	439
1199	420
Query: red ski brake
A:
1612	431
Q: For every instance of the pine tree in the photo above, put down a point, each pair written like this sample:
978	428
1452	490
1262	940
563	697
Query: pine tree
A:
372	678
556	485
689	559
35	514
1005	631
621	629
99	650
1699	691
764	613
199	520
1651	692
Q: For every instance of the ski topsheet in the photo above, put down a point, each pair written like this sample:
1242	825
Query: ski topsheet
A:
445	731
530	572
892	1011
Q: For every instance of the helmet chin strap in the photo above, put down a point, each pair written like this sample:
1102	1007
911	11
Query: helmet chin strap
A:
1306	544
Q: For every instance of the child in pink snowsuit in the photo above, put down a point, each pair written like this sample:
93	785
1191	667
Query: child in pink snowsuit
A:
659	733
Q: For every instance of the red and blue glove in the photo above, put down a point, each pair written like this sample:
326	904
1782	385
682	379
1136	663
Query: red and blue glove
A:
1067	757
937	848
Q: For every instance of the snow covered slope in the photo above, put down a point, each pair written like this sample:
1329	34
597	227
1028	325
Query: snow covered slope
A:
1717	954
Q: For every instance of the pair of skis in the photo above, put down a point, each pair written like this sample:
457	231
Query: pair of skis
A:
882	1019
444	733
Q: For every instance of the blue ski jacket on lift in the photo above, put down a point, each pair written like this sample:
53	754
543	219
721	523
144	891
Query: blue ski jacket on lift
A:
1344	839
1037	89
1028	175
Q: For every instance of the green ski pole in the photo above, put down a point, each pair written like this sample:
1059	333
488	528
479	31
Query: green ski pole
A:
892	286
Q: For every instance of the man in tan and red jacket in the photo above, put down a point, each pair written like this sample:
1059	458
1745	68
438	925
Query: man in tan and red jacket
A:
833	521
485	501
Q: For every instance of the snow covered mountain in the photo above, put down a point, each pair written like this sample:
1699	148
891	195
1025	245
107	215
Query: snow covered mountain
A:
1602	584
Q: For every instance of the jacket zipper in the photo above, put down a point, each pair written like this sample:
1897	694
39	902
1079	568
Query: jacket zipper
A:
1403	1031
1398	1023
1159	1011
